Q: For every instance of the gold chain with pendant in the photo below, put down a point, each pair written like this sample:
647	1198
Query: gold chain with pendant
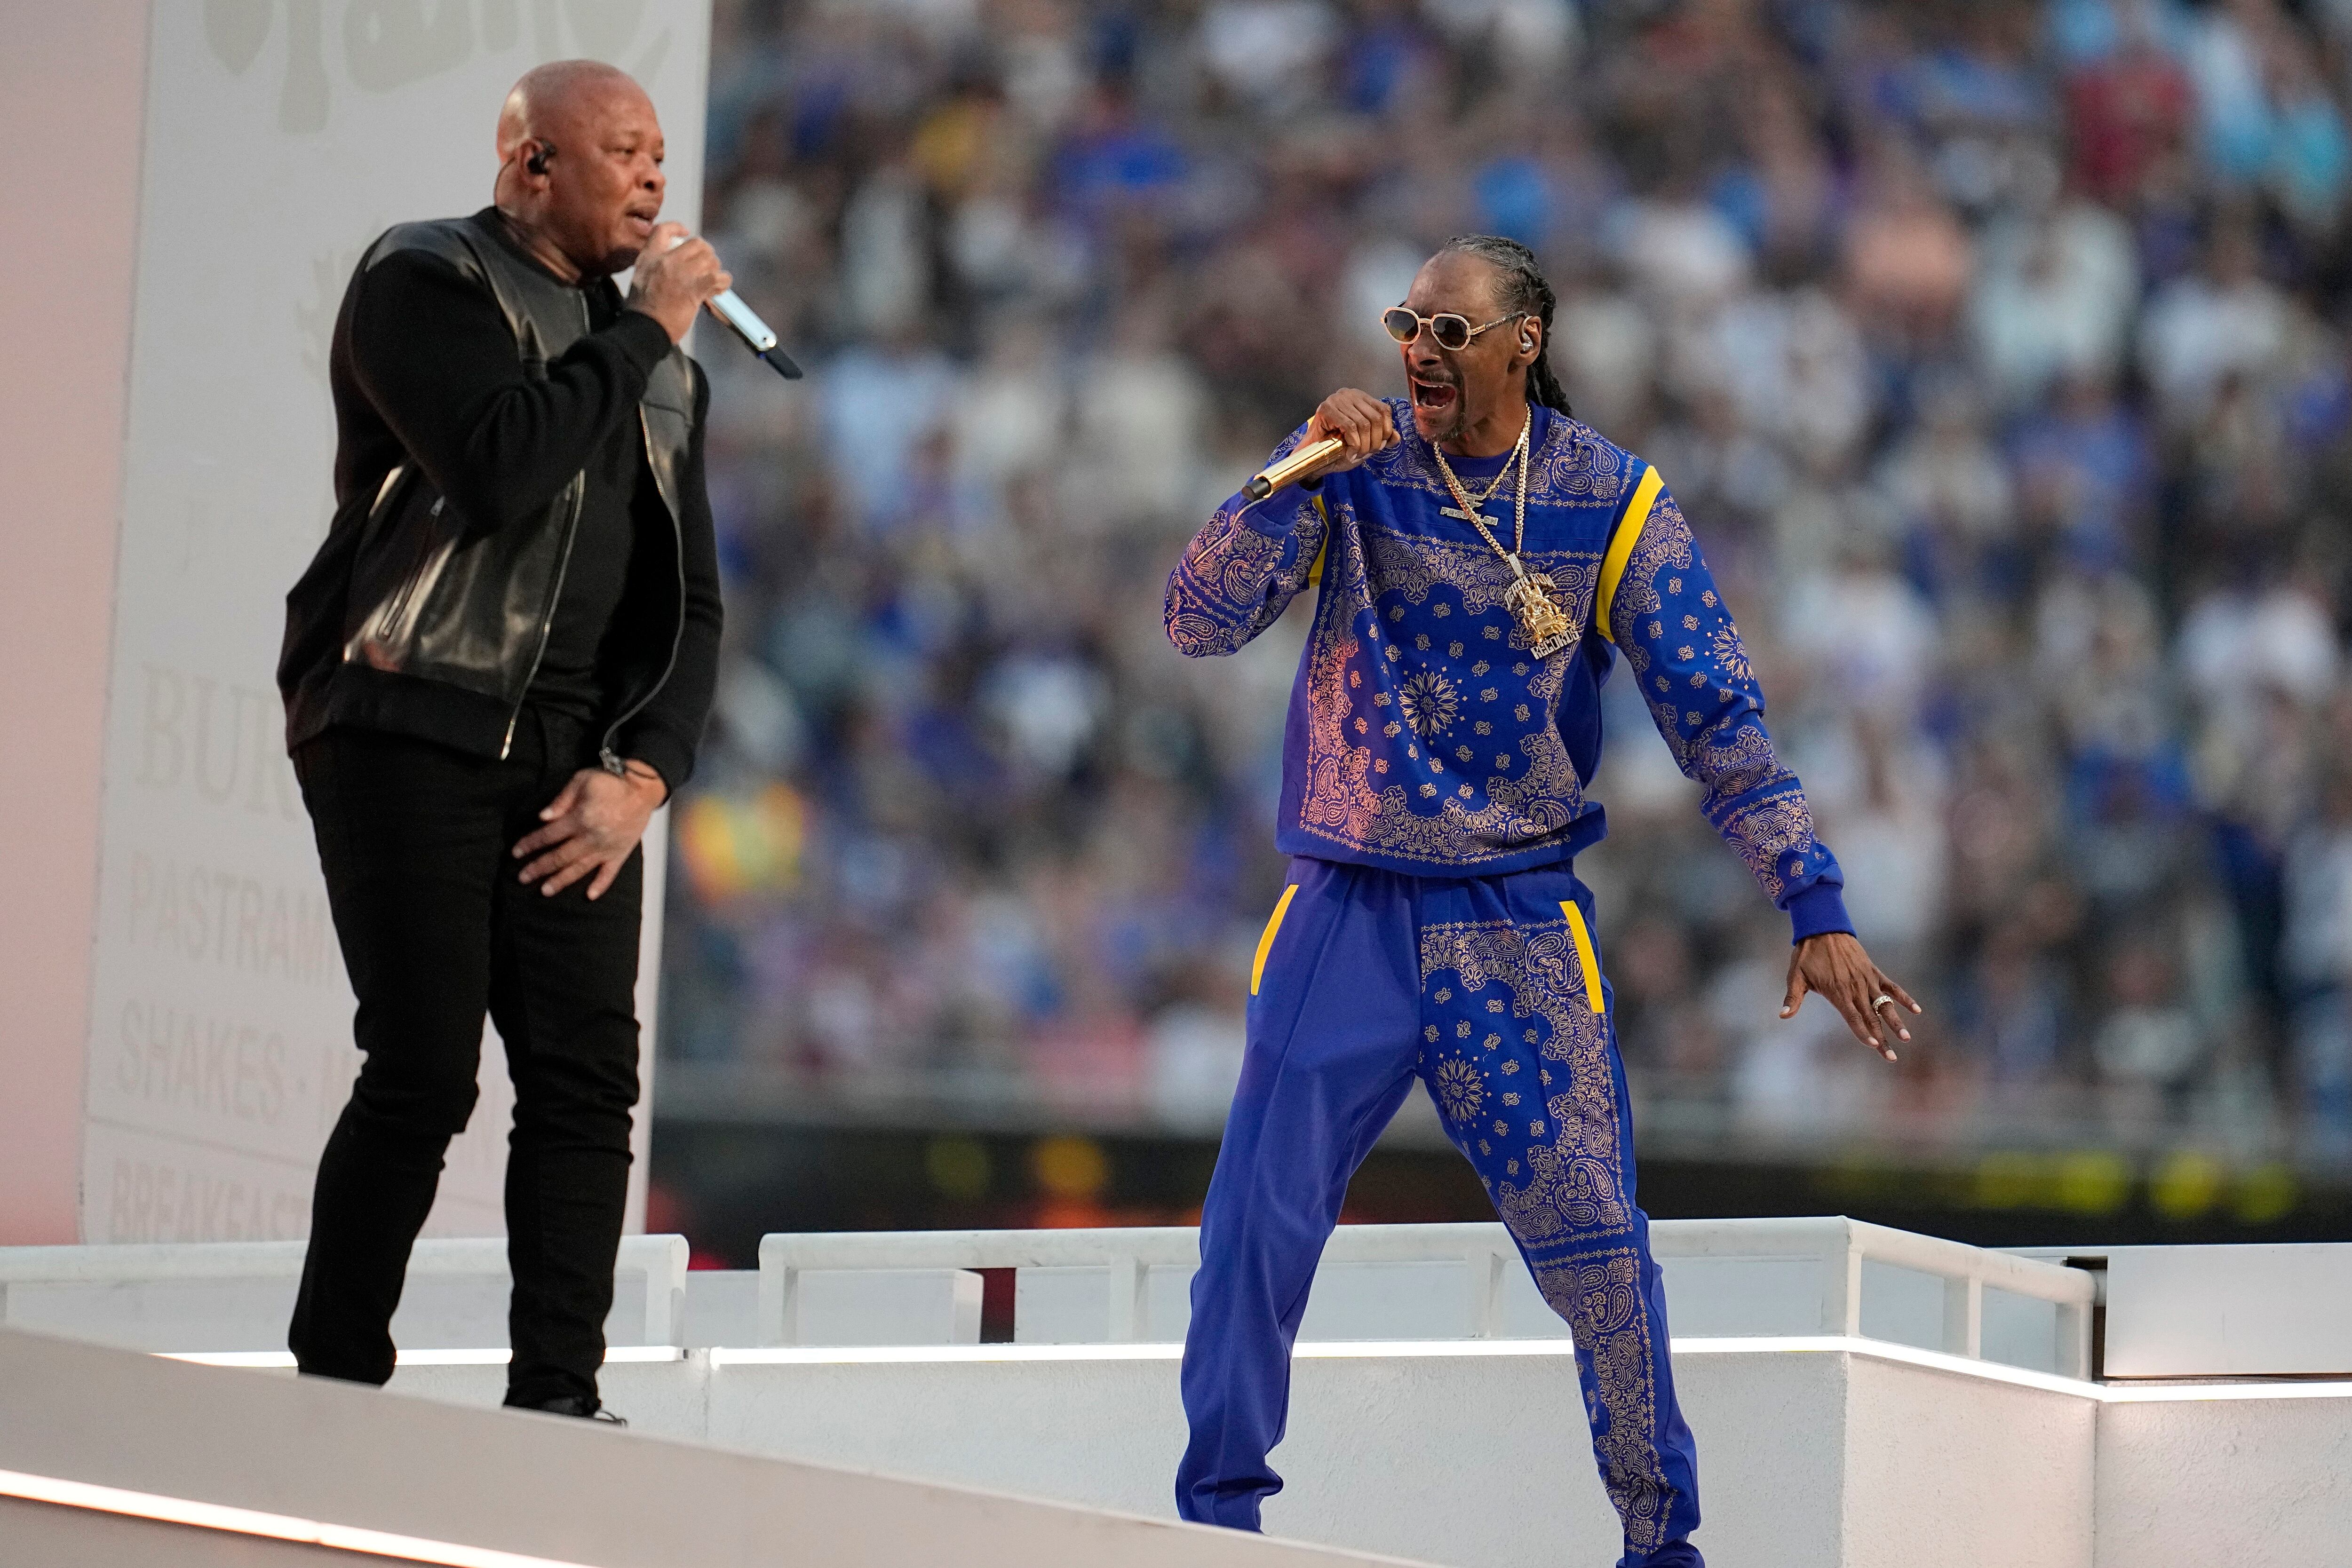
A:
1530	598
1492	484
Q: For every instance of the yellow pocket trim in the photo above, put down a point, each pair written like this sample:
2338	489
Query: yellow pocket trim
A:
1586	959
1620	549
1265	943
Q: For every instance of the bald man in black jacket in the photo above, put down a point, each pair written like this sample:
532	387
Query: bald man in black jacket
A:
496	669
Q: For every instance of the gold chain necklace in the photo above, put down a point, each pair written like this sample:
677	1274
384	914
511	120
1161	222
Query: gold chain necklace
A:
1494	484
1461	496
1529	597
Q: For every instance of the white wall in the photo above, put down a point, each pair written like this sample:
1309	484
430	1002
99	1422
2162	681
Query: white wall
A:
279	140
2256	1483
1808	1459
1953	1468
73	77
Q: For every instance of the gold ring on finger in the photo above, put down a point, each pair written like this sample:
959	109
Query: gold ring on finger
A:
1881	1000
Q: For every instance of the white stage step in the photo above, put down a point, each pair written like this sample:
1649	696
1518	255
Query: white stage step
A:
112	1459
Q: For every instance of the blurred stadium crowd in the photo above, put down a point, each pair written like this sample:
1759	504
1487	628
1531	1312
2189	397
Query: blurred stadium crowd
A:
1996	352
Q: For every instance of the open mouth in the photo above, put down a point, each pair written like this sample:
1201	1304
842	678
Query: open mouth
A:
641	224
1433	397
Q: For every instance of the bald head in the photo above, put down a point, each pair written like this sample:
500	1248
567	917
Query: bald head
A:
580	153
558	97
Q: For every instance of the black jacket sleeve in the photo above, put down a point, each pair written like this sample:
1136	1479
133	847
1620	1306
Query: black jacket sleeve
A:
666	732
434	356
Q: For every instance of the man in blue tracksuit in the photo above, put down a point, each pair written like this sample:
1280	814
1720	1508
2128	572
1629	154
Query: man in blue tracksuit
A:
1482	558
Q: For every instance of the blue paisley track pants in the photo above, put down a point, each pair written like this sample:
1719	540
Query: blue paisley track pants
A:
1489	990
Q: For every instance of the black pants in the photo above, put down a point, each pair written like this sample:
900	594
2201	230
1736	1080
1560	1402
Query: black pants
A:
416	840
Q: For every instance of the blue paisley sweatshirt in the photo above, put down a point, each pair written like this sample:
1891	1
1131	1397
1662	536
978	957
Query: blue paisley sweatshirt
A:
1423	736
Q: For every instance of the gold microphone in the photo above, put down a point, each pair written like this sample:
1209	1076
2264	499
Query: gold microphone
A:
1297	465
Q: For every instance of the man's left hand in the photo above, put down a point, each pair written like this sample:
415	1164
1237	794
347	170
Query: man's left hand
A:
1835	964
592	826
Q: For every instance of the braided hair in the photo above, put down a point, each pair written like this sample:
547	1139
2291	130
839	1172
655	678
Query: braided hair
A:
1523	291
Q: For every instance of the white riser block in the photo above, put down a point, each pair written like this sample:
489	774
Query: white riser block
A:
1071	1305
1948	1470
1520	1311
1347	1301
1167	1301
2254	1483
1387	1301
722	1307
1705	1298
2218	1312
1061	1306
889	1306
1807	1460
1899	1304
437	1312
161	1314
2020	1331
1729	1297
237	1296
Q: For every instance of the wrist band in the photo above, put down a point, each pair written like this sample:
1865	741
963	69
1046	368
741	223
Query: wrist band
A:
631	768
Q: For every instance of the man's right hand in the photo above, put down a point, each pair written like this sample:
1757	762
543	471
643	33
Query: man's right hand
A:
670	285
1362	421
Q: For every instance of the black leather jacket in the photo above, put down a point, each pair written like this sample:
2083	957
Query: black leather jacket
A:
427	613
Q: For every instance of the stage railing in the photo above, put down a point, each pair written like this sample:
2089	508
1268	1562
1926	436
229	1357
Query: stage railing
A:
1804	1276
236	1295
1724	1279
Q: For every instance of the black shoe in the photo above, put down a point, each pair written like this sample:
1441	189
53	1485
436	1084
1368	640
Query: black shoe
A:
584	1406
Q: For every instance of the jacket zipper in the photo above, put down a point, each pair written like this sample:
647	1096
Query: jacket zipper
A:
562	565
605	753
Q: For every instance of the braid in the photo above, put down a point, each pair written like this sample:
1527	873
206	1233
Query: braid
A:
1523	292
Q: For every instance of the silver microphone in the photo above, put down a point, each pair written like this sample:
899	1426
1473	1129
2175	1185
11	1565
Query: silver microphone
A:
757	335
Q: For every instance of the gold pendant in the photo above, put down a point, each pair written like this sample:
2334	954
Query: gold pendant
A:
1530	602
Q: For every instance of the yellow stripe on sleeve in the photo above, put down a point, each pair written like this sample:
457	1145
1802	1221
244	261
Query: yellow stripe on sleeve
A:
1315	572
1620	548
1265	943
1586	959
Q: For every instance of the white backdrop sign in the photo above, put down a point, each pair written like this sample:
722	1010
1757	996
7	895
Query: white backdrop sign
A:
279	140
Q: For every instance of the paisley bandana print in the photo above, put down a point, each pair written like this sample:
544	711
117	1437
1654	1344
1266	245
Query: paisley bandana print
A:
1426	737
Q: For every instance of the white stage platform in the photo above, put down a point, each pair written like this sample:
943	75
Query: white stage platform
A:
1826	1368
114	1459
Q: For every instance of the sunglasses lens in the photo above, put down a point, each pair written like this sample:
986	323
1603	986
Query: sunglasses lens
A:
1402	324
1451	331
